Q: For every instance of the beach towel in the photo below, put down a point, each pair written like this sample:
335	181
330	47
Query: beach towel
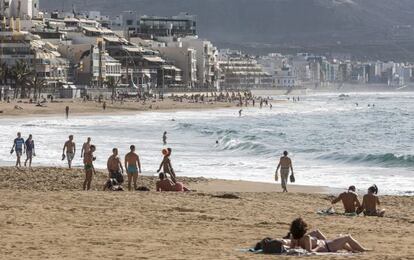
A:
298	252
331	211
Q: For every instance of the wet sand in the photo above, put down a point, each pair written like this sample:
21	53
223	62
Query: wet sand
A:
44	215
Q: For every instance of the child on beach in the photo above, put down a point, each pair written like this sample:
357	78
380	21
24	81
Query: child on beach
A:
370	202
89	168
166	164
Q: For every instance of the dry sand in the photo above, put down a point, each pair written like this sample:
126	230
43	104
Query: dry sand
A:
43	215
78	107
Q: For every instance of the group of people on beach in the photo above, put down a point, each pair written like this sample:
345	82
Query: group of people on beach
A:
167	178
350	200
352	205
20	146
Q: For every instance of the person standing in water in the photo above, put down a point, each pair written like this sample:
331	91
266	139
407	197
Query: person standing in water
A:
18	144
86	147
285	163
30	150
67	112
240	112
164	138
166	164
89	168
132	166
70	151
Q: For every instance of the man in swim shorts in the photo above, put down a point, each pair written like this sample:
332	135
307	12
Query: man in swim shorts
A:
70	151
132	166
114	167
349	200
89	168
285	164
18	144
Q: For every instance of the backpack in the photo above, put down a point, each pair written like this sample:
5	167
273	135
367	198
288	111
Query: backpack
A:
270	246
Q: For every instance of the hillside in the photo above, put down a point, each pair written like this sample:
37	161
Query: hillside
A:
261	24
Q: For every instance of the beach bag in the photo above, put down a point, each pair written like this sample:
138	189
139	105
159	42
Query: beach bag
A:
270	246
118	176
292	178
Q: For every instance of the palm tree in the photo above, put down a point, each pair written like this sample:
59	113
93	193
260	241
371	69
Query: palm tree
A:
37	84
20	73
112	84
3	77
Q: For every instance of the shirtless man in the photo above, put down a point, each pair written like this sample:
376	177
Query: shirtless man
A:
70	150
349	199
86	147
370	202
132	166
284	164
89	168
165	184
114	166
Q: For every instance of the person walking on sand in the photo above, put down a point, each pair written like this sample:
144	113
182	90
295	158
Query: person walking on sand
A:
370	201
70	148
67	112
114	166
18	145
349	200
30	151
132	166
89	168
285	163
166	164
86	147
164	138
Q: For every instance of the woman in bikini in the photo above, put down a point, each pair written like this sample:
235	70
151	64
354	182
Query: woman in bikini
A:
317	242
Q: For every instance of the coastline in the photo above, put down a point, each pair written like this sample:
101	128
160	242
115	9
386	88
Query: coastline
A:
51	222
80	108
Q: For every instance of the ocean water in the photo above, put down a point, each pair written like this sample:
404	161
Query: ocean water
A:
331	141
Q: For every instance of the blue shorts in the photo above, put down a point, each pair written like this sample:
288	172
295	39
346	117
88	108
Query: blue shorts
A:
132	169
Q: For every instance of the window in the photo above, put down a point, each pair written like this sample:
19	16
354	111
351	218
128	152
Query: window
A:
129	22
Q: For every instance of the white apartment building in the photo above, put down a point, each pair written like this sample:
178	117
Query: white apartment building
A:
207	61
185	59
23	9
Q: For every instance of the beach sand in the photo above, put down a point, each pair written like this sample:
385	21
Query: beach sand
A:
78	107
44	215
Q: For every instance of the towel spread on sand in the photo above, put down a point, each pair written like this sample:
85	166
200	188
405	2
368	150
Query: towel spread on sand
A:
298	252
327	212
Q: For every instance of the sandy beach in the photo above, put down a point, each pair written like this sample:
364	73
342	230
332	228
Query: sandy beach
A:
44	215
79	107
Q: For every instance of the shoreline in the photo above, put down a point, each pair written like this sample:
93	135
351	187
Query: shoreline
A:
199	184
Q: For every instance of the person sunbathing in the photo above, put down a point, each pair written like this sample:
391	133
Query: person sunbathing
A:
349	200
165	184
370	202
317	242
